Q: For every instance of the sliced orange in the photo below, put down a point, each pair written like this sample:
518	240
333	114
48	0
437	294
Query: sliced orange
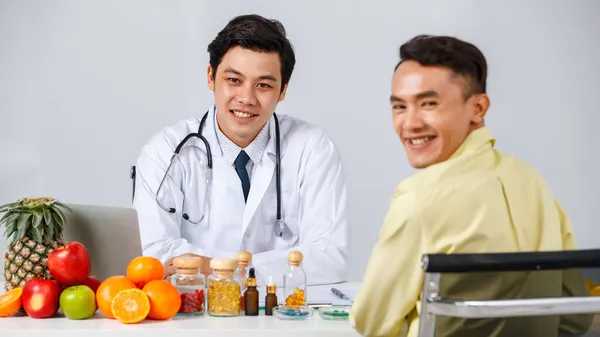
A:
10	302
131	306
107	291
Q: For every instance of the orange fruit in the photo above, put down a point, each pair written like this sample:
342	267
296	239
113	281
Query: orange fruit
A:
144	269
131	306
10	302
107	291
164	299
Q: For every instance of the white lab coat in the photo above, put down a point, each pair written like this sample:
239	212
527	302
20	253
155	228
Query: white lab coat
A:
314	202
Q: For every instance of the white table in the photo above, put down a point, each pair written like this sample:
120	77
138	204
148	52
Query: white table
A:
261	326
98	325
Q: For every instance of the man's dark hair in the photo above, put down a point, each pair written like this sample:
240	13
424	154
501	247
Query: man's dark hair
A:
461	57
256	33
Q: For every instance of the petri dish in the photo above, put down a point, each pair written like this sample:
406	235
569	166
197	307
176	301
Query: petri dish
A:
296	313
335	313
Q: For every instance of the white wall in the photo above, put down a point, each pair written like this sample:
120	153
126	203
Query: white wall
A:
84	84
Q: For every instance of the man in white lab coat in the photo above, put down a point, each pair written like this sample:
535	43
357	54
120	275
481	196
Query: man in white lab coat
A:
251	62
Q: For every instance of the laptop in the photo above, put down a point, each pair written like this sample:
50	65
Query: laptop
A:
110	235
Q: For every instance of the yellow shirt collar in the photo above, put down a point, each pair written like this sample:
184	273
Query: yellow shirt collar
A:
475	140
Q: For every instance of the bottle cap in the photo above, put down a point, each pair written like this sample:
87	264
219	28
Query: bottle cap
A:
223	264
295	257
271	288
244	257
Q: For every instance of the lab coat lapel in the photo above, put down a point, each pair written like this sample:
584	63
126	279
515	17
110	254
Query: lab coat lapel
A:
261	179
222	192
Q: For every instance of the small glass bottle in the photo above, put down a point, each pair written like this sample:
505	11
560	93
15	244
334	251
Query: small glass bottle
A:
271	297
190	284
224	288
251	295
294	281
244	260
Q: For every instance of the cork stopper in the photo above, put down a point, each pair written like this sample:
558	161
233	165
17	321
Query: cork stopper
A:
244	258
187	264
223	264
295	258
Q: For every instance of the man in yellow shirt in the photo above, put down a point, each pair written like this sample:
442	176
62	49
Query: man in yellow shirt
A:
466	198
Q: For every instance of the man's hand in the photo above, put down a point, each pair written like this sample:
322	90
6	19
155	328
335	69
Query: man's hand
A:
204	268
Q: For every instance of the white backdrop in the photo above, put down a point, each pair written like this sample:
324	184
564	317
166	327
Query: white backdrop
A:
83	84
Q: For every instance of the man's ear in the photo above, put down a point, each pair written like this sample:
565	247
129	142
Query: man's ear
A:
480	103
210	78
283	92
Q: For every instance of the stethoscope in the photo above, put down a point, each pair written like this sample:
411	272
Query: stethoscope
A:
279	223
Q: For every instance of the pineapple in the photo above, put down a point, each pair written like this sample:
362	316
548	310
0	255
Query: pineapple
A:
34	227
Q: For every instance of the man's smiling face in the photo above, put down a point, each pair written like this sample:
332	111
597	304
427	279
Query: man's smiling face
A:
247	87
431	113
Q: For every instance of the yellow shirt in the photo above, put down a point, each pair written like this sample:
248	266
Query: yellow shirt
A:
478	201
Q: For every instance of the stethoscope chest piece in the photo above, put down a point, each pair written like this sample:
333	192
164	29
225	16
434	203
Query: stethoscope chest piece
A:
280	228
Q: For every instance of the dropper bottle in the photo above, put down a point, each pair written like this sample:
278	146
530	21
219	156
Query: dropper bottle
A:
271	298
251	295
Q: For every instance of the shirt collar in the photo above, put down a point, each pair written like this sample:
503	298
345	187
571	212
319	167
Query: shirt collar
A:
475	140
255	149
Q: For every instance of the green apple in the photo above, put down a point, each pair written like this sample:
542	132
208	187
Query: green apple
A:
78	302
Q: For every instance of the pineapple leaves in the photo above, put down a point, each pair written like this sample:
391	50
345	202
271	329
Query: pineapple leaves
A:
64	206
57	221
61	216
47	216
10	220
5	216
11	228
9	217
50	234
36	235
8	206
38	218
22	224
49	226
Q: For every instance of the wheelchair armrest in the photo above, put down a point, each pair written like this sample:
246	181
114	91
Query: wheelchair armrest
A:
512	308
521	261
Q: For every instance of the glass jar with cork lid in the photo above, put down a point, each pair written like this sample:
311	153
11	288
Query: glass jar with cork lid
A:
190	284
224	288
294	281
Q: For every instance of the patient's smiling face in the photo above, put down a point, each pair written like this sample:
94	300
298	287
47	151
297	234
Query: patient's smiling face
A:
433	112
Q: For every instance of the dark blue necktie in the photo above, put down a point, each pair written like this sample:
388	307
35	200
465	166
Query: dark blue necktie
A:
240	167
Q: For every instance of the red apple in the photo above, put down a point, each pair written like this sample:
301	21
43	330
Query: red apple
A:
70	264
93	282
40	298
